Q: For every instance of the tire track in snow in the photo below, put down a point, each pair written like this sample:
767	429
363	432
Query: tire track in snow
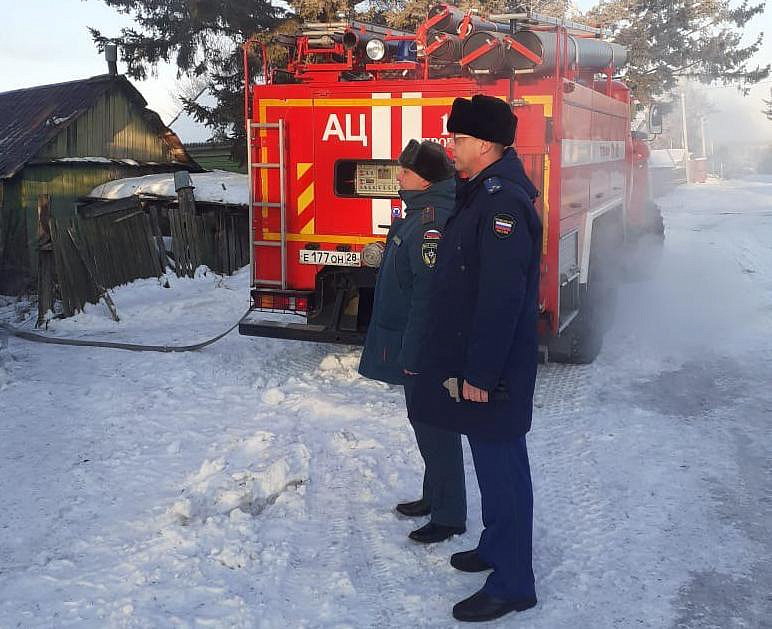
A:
331	541
346	536
563	467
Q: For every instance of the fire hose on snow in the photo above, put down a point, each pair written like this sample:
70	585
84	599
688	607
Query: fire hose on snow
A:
39	338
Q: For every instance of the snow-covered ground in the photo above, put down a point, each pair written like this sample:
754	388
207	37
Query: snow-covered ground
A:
251	484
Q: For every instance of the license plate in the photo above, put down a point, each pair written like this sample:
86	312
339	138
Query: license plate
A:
330	258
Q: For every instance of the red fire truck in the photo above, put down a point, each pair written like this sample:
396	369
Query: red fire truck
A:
324	133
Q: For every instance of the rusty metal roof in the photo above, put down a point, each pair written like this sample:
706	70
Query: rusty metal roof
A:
32	117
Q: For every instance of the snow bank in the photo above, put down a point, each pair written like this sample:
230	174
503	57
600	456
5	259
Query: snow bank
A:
218	186
12	311
234	481
221	499
169	310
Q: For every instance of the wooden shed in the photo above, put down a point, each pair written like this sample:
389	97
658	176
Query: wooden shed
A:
63	140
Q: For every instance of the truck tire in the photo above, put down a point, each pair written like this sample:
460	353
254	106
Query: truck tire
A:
644	248
657	222
581	342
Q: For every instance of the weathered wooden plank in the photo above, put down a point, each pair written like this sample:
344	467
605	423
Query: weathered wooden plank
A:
100	208
46	262
88	263
75	286
231	245
155	226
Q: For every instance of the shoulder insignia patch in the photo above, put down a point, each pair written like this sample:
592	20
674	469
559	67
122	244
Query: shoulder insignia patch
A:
429	253
427	215
492	185
503	225
432	234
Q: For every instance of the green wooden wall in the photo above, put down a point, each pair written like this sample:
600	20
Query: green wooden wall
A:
114	127
14	253
214	156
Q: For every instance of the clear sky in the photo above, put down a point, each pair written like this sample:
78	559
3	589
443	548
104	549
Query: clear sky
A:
47	41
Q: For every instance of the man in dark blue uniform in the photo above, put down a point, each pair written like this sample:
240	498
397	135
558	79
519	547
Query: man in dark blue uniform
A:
400	323
481	358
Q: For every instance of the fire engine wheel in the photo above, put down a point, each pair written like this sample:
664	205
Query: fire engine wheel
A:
658	223
581	342
644	249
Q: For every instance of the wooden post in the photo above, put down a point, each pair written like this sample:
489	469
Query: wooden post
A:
232	266
45	261
191	258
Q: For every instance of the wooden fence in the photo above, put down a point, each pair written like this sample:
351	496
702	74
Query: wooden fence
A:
231	242
113	242
95	254
189	244
218	239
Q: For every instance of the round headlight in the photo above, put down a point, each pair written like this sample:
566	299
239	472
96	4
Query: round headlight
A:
372	254
375	49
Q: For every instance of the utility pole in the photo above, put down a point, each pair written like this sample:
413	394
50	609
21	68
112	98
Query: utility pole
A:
685	135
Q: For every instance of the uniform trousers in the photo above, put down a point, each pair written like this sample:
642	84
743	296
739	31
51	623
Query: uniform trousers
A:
506	494
444	486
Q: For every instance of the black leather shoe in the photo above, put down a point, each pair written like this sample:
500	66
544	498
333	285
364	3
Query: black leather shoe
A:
414	509
431	533
481	607
469	561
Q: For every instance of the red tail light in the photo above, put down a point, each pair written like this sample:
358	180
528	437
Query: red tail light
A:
281	302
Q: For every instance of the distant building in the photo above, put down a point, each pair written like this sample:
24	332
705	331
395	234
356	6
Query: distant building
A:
63	140
215	156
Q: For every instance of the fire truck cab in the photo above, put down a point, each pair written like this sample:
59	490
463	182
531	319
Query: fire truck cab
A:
324	134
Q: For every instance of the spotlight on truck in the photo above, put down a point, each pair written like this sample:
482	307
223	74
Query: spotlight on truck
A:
375	49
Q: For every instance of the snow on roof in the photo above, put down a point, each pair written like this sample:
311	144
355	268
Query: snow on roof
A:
218	186
95	160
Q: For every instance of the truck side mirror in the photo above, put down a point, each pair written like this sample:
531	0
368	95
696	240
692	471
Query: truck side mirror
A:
655	119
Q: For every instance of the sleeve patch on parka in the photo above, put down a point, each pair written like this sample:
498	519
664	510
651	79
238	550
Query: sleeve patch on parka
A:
503	225
427	215
429	253
429	246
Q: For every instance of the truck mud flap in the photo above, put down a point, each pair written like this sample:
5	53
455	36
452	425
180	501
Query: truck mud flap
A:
253	324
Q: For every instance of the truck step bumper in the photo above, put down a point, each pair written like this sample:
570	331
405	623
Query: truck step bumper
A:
255	324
